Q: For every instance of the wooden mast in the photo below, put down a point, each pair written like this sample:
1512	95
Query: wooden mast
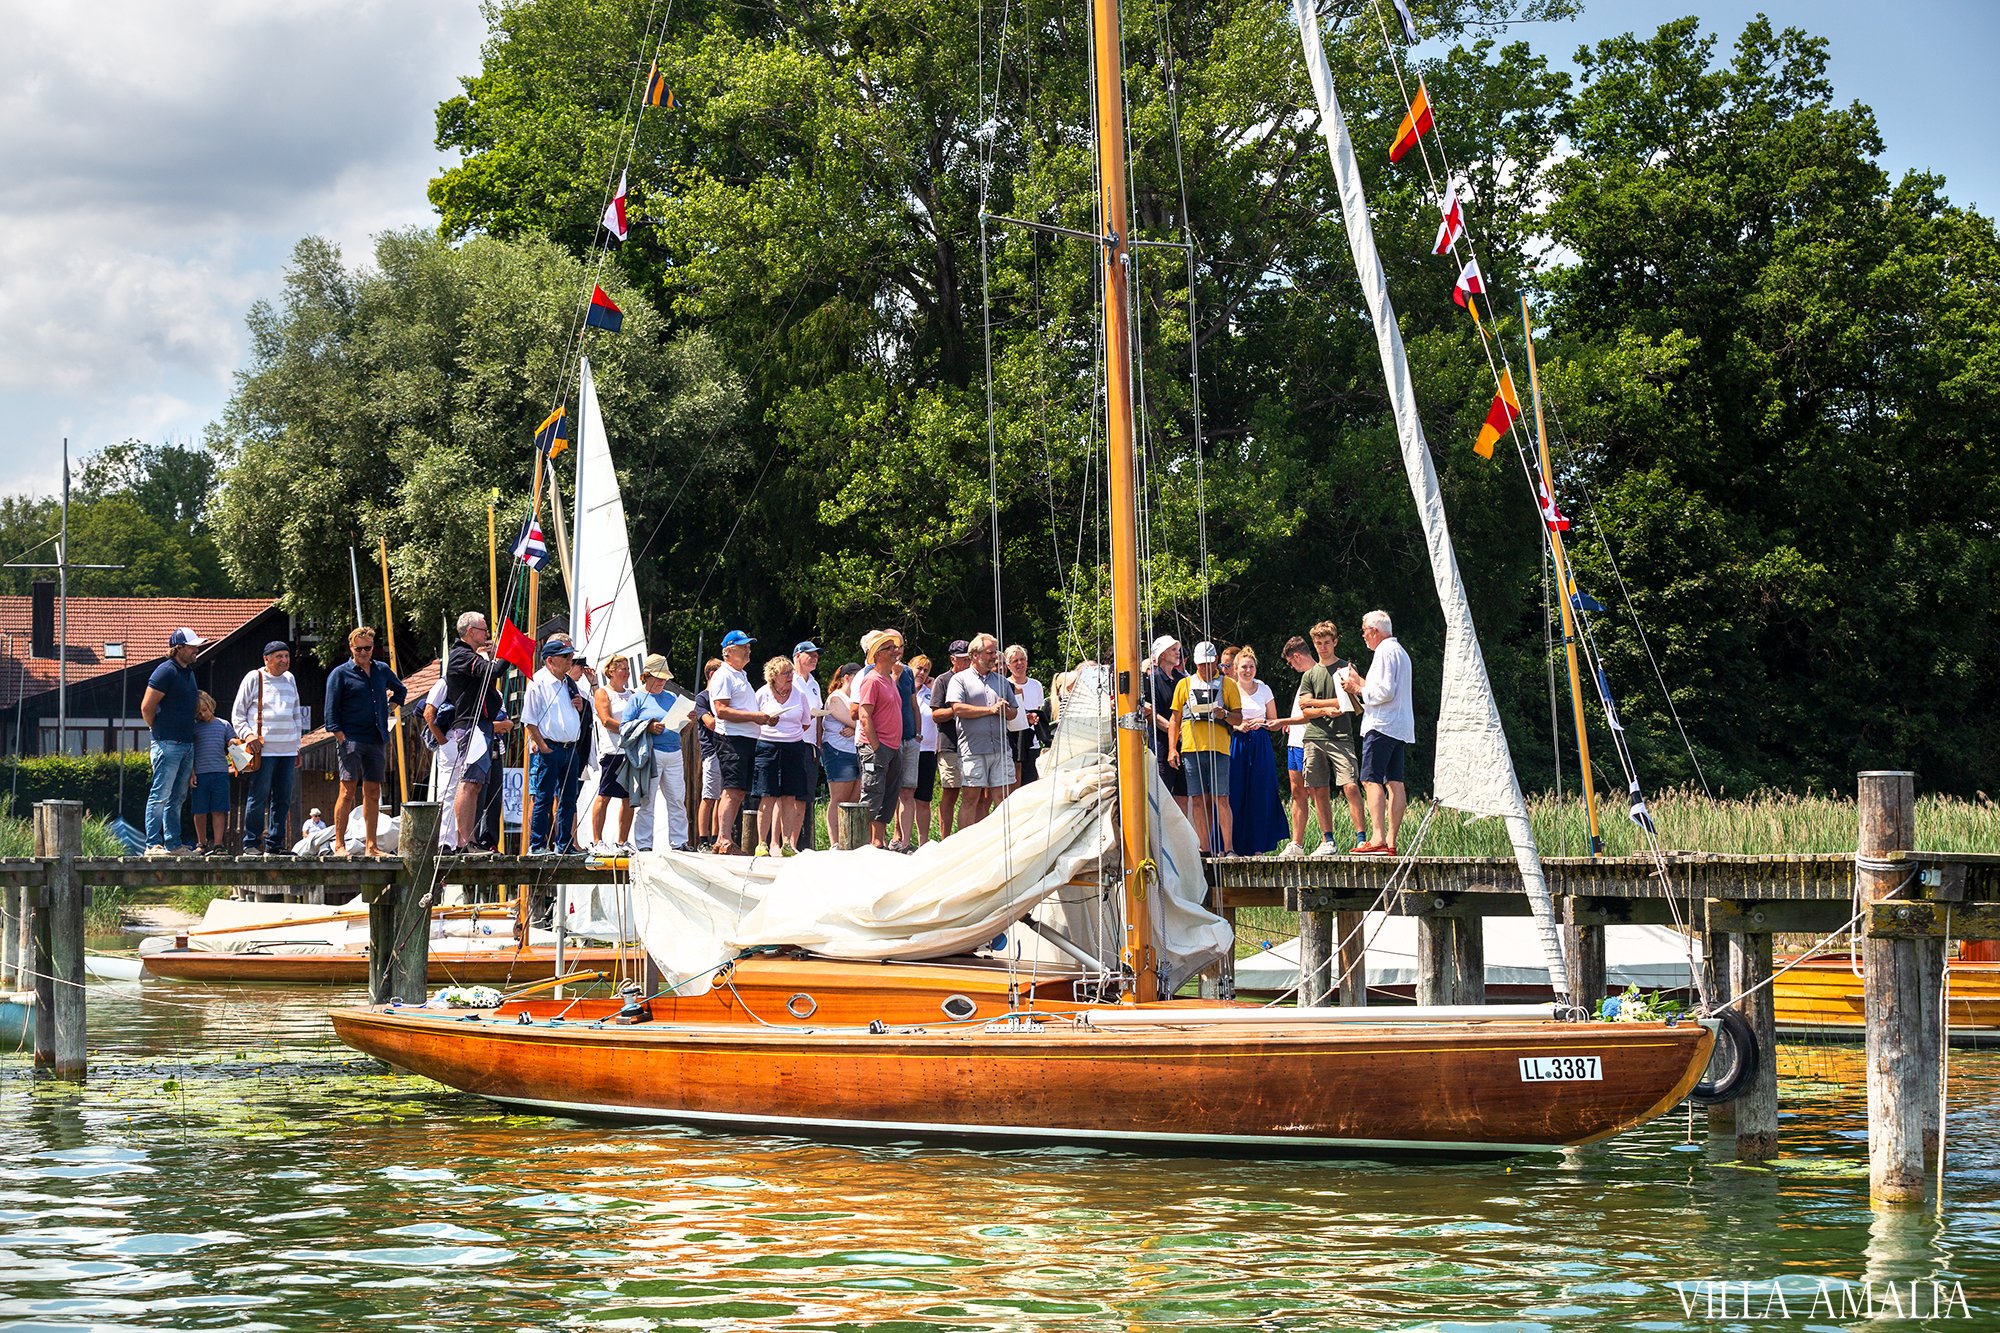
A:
389	632
1134	760
1565	592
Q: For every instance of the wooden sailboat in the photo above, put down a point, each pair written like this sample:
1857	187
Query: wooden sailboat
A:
963	1049
1823	996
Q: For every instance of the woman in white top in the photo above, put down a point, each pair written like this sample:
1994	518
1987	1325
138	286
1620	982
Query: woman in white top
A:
1021	737
927	751
1259	818
836	751
609	701
784	774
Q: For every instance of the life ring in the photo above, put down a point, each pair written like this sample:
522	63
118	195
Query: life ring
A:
1739	1062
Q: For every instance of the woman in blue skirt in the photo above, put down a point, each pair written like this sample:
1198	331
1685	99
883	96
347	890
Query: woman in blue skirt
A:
1253	765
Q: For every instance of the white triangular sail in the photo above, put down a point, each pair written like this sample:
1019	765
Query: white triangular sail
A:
604	603
1475	770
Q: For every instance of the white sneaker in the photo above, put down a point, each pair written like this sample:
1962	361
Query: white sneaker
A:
156	853
1291	851
601	848
1326	848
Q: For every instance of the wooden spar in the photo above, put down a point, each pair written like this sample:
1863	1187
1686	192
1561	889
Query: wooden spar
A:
1134	761
492	568
389	631
527	745
1565	590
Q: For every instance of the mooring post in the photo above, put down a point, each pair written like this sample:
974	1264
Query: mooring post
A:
1351	968
1903	1050
59	1012
1468	963
1757	1108
11	900
853	825
407	970
1316	965
1437	957
1583	950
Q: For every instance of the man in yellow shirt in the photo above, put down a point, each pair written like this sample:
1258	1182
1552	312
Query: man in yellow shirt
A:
1206	707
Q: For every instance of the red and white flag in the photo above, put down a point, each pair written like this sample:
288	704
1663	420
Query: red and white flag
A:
1453	224
1470	284
1552	517
614	212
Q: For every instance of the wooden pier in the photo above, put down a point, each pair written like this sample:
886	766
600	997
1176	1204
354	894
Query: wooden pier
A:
1908	901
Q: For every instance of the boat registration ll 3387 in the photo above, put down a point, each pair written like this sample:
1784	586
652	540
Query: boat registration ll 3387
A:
1561	1069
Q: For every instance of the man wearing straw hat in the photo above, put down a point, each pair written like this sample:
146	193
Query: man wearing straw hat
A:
666	801
879	716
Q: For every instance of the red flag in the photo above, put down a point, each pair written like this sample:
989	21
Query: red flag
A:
516	647
1471	282
614	212
1551	515
1506	410
1415	125
1453	224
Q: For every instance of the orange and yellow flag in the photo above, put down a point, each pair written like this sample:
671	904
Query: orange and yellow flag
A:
1506	410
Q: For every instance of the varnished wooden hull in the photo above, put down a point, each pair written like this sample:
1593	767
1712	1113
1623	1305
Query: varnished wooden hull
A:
1435	1088
499	967
1824	996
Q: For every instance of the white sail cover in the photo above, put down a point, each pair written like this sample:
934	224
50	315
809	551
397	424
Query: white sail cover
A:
604	601
949	897
1475	770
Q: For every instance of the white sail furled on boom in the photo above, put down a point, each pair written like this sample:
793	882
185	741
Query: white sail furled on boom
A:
1475	770
604	602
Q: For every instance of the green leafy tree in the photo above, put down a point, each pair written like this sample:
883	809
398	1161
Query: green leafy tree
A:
392	402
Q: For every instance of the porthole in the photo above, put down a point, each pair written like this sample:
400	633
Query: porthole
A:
801	1005
959	1007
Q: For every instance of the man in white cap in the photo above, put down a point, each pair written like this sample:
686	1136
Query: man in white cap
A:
1157	697
1206	708
168	707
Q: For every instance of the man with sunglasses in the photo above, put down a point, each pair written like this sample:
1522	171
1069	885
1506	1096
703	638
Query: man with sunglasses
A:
359	693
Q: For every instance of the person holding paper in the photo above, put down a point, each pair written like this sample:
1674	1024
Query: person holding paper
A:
669	794
1388	726
1206	707
1331	756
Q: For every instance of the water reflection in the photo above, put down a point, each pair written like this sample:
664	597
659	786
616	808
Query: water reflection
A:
228	1165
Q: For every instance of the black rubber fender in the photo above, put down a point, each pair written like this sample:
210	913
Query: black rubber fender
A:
1739	1063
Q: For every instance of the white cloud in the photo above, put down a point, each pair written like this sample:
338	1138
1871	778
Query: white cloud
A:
158	161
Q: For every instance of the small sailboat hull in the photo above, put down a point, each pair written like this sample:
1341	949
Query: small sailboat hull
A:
1449	1088
350	967
1825	997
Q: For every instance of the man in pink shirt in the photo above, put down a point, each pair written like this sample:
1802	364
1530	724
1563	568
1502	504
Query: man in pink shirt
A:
879	716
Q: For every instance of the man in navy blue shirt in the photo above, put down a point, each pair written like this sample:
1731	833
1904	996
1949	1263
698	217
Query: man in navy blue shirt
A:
168	707
358	694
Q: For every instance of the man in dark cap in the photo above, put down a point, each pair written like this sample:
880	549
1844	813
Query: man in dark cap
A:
554	724
949	778
267	715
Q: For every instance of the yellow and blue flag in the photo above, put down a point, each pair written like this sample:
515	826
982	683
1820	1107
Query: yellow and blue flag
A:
552	436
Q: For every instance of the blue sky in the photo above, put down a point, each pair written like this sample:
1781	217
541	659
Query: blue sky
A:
156	169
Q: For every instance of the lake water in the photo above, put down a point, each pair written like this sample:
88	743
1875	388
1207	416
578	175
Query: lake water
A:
229	1166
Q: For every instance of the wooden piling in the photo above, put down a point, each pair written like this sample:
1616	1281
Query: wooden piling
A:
1903	1050
59	995
1351	968
399	917
1437	957
1316	966
1756	1118
853	825
13	912
1583	951
1468	947
1715	970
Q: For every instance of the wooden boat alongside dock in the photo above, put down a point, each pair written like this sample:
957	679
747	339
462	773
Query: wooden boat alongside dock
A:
1823	997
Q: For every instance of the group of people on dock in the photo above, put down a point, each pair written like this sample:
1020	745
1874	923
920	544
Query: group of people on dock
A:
926	751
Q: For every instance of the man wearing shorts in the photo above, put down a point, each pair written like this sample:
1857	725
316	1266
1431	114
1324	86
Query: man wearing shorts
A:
1330	752
1206	706
947	732
1388	726
737	721
1298	656
982	699
709	786
878	715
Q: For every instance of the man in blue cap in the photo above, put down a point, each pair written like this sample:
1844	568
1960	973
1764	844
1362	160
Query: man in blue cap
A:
737	719
168	707
552	711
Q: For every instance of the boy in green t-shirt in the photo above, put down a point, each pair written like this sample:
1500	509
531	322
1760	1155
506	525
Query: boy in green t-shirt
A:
1206	707
1331	755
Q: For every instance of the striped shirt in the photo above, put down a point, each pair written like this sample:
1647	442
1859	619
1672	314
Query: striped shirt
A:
284	721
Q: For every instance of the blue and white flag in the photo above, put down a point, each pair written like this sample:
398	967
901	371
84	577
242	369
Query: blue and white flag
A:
1583	601
1409	24
529	548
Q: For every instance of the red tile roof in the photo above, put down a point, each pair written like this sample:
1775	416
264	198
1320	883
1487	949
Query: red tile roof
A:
141	624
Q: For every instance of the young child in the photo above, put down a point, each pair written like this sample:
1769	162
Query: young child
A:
211	775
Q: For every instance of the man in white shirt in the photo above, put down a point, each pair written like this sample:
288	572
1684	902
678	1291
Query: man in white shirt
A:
737	720
805	661
1388	725
267	715
552	711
